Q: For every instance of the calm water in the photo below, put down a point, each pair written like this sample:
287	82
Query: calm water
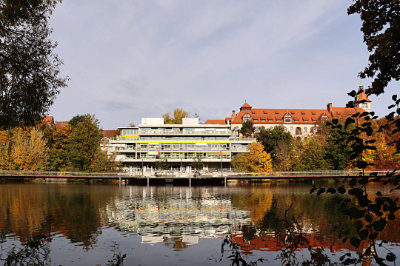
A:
169	225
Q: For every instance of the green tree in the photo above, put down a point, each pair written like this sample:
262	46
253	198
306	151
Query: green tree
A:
77	119
381	28
271	137
312	157
197	163
179	114
336	150
29	73
84	143
247	129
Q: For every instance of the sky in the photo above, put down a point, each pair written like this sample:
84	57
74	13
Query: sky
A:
129	59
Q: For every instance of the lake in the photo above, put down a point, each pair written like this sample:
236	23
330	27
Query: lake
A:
98	224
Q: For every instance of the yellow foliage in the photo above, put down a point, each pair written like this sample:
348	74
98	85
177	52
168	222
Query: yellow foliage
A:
179	114
257	160
29	150
5	159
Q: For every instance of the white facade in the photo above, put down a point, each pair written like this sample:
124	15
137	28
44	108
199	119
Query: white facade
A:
178	144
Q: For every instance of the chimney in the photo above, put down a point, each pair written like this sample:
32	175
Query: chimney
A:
329	107
233	114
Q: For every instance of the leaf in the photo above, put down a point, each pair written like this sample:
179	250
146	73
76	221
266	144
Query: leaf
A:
353	93
342	190
331	190
390	257
355	242
394	97
363	234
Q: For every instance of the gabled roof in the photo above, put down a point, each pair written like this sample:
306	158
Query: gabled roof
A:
245	106
362	96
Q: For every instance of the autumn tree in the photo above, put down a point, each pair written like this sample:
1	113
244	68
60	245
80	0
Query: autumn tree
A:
247	129
179	114
256	160
5	150
29	73
278	143
58	159
29	152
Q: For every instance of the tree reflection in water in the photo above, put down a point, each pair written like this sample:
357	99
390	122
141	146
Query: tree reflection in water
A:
255	223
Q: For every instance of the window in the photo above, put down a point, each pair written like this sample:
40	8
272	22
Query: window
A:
305	129
262	120
287	119
278	120
303	113
291	129
270	120
305	120
296	120
265	113
255	120
246	117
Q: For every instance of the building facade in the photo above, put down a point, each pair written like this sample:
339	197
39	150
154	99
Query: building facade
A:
300	123
179	145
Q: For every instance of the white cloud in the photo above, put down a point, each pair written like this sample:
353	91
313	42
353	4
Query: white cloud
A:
206	56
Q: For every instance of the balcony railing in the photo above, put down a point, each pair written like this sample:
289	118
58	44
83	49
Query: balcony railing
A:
177	132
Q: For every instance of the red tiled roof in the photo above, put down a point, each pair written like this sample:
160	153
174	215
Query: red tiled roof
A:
109	133
276	116
362	97
61	123
48	120
215	122
246	105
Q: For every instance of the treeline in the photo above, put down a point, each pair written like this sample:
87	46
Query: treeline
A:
72	146
329	149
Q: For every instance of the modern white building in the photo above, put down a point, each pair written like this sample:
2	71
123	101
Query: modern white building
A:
179	145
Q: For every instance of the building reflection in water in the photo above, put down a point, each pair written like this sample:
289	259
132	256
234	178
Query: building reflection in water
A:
175	213
254	216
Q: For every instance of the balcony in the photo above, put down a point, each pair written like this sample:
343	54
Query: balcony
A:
184	132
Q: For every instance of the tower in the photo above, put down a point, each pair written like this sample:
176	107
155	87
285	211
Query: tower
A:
361	99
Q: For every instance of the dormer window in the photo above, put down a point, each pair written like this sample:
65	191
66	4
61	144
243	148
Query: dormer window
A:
262	120
324	117
255	120
246	117
270	120
287	118
303	113
265	113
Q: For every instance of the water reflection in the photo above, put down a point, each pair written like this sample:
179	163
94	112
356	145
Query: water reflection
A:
258	218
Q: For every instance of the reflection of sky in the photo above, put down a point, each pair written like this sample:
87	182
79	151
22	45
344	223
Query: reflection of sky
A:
180	215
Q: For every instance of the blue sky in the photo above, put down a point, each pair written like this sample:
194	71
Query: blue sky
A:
129	59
